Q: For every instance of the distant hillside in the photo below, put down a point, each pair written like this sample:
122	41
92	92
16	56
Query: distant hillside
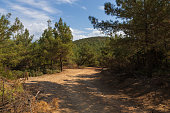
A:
94	42
87	51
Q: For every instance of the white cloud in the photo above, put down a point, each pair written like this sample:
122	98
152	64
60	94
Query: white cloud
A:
83	7
3	11
89	29
36	28
101	8
34	20
77	37
43	5
77	34
31	13
76	31
35	13
89	32
94	33
65	1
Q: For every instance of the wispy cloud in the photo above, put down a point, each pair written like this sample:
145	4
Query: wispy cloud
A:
35	13
3	11
40	4
31	13
65	1
83	7
33	19
101	8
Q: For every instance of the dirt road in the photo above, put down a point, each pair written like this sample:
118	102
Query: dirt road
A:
81	91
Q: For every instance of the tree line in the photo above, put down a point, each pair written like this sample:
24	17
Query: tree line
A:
145	44
19	54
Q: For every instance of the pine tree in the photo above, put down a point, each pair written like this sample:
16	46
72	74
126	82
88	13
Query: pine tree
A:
64	36
145	24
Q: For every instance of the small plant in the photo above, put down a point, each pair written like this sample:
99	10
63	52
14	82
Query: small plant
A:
44	107
17	74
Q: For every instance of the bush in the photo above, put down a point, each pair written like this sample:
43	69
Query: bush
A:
56	71
11	74
35	73
14	95
38	73
18	74
32	73
48	71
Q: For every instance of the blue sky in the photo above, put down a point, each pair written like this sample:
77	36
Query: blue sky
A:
35	13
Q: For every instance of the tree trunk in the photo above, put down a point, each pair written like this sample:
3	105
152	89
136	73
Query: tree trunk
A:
61	64
51	64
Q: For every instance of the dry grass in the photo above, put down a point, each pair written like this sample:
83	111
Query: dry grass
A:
44	107
17	100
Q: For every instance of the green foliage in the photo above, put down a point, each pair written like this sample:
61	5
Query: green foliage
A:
18	54
87	51
5	28
49	71
145	45
56	44
35	73
17	73
10	91
85	55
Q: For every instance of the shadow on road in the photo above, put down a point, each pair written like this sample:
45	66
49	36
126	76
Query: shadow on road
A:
85	94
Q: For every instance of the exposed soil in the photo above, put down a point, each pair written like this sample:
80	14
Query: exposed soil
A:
83	91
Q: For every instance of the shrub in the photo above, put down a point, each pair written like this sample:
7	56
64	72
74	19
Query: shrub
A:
56	71
35	73
18	74
48	71
38	73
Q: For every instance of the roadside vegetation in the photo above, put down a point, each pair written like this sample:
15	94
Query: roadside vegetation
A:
21	57
144	46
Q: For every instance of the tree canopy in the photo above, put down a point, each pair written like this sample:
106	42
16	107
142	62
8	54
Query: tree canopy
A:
19	54
145	24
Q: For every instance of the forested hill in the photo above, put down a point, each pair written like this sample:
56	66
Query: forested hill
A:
96	43
87	51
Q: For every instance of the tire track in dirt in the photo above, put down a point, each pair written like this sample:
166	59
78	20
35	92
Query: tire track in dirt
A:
80	91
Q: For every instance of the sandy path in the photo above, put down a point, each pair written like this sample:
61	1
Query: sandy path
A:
80	91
